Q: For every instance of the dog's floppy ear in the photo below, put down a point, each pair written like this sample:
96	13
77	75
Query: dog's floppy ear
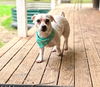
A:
33	17
52	18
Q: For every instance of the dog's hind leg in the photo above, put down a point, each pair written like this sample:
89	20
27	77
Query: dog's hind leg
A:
66	35
65	42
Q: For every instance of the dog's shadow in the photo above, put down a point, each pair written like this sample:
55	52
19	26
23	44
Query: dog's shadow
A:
71	56
68	59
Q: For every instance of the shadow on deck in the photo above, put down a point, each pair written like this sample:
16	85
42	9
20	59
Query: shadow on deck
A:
79	67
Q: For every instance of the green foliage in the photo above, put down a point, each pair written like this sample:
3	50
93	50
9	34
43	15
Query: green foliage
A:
83	1
73	1
38	0
7	23
5	10
31	0
1	44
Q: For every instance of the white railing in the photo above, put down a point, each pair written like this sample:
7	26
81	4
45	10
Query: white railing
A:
38	5
22	16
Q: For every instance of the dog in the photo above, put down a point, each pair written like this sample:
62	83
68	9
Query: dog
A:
49	29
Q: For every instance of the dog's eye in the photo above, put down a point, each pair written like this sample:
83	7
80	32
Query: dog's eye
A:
47	21
38	21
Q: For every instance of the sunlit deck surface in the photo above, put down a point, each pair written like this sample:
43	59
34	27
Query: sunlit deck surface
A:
79	66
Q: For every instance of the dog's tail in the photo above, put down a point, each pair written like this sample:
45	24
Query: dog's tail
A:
63	14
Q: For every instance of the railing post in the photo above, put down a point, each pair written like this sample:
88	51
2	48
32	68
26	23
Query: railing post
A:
96	3
53	4
21	18
99	5
59	1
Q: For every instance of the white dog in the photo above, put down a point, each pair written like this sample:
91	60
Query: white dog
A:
48	32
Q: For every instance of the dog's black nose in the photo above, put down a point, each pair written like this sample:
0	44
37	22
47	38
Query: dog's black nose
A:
44	28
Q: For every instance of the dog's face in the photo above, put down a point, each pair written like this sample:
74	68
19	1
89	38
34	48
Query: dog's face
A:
43	22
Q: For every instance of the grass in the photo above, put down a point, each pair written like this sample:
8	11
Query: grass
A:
1	44
5	11
5	18
38	0
7	23
30	0
83	1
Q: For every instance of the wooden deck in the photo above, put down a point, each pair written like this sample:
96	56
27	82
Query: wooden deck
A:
79	67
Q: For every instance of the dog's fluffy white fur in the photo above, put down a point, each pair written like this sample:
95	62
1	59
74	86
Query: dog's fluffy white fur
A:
59	24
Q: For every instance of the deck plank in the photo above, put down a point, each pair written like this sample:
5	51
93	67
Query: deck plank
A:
82	74
92	49
50	76
13	64
12	52
35	75
93	59
92	54
94	62
22	72
8	46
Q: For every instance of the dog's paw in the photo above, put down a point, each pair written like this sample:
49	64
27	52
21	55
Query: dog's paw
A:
61	54
66	49
54	49
39	60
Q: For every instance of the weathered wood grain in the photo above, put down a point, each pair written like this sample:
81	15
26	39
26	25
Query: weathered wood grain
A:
8	46
37	71
13	64
22	72
82	74
12	52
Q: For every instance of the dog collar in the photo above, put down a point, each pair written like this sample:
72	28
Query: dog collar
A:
42	42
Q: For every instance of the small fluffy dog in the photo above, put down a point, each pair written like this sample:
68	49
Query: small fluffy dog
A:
48	32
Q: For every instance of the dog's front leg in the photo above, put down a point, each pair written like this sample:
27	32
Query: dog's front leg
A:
40	57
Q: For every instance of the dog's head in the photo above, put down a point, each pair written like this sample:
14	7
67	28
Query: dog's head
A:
43	22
